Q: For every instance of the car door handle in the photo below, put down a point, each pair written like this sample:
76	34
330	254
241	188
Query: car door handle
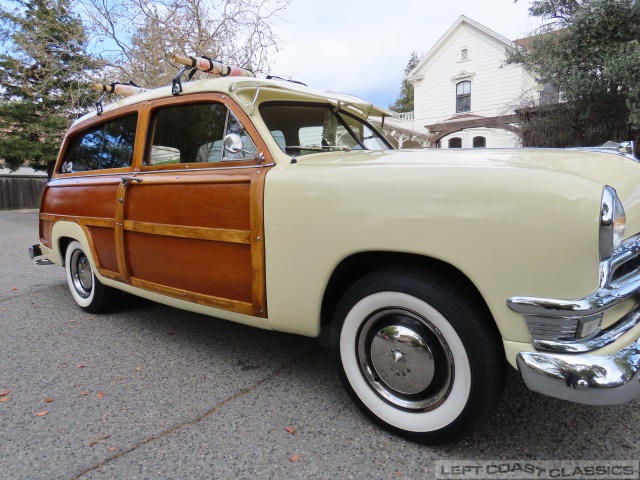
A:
126	180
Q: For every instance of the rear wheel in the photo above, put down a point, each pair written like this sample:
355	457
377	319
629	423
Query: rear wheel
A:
417	356
88	292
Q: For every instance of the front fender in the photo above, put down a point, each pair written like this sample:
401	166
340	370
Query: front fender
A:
509	230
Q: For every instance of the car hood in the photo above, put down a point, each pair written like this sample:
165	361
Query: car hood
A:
617	171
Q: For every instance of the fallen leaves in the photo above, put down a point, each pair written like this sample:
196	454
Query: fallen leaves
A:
6	392
294	458
79	365
84	393
4	399
100	394
95	442
49	400
112	449
72	320
14	289
41	414
291	430
138	369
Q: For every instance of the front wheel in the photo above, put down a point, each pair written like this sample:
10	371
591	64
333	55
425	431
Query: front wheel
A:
88	292
417	356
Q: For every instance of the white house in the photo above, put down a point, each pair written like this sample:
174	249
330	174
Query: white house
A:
465	93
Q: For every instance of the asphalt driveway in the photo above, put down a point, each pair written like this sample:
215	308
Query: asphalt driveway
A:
149	391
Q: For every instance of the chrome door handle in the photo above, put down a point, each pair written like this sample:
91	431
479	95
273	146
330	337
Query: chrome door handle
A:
126	180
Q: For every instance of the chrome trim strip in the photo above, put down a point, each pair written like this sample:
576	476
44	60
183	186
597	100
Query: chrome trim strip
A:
182	170
599	301
607	208
588	379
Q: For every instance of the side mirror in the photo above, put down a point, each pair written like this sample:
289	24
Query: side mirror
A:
233	143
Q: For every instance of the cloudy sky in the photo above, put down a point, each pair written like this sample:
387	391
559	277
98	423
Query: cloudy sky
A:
361	47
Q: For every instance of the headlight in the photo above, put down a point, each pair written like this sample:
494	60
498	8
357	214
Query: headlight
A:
612	223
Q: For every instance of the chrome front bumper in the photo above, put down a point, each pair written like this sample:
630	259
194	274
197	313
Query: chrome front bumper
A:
565	332
589	379
573	326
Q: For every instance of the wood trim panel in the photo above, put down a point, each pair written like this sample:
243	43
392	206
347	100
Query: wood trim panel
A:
257	244
207	300
88	221
92	247
111	275
213	234
119	231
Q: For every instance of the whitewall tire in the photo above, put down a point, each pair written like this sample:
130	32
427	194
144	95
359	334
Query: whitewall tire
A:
417	356
88	292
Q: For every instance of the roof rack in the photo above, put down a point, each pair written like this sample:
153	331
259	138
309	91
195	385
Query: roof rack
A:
118	88
204	64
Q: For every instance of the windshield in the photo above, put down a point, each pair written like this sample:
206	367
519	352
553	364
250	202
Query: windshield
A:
303	129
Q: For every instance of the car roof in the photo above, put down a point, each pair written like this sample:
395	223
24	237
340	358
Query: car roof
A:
247	91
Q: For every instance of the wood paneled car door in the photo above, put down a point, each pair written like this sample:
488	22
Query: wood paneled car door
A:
189	225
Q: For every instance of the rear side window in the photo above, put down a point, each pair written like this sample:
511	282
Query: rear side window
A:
108	145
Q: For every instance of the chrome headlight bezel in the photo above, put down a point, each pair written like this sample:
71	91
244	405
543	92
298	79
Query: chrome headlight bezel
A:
612	223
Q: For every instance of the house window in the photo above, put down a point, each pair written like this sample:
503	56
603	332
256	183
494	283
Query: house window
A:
479	142
455	142
549	94
463	96
464	54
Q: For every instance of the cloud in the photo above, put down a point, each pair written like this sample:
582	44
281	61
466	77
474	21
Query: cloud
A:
361	48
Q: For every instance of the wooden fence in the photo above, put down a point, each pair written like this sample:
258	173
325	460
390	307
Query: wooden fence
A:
21	192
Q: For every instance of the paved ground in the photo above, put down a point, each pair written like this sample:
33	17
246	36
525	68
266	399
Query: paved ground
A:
154	392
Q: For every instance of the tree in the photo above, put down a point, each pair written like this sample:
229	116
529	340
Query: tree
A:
590	51
45	75
139	36
404	102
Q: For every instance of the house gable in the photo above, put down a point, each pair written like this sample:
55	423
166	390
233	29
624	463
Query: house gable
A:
470	52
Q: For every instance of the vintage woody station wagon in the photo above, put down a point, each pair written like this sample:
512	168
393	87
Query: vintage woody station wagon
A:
278	206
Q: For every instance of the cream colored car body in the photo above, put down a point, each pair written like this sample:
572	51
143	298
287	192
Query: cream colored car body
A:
514	222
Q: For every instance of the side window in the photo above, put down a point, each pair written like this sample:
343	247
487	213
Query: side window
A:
189	133
109	145
194	133
250	150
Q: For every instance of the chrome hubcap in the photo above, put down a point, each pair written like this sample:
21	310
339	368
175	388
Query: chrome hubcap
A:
81	274
405	359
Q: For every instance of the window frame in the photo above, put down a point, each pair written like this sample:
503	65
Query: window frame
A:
463	96
91	123
187	99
